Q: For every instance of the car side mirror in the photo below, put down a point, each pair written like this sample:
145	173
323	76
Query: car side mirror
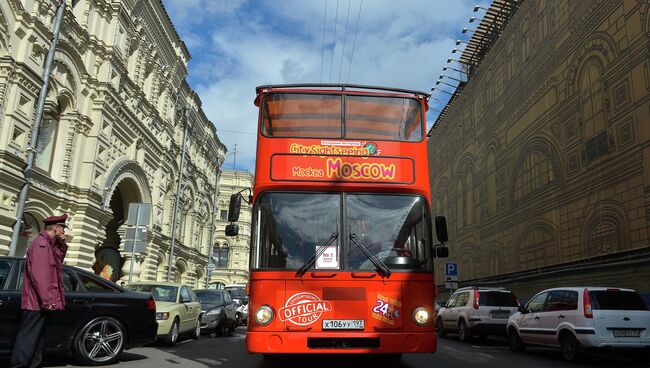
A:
234	207
522	309
232	230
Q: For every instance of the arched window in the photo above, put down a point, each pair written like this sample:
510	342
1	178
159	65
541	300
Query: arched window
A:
47	137
603	237
534	173
179	276
491	182
537	248
592	98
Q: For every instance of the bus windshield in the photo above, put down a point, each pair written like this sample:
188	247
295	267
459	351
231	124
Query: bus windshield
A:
394	228
320	116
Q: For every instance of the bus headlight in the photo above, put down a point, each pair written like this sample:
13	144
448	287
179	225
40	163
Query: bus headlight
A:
421	316
264	315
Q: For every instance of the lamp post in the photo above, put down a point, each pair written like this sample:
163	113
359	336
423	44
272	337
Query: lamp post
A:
214	213
178	195
31	150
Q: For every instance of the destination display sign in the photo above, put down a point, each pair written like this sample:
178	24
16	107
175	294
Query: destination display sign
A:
373	169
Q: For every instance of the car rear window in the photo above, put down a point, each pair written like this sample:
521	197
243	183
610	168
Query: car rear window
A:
497	299
210	297
237	292
616	300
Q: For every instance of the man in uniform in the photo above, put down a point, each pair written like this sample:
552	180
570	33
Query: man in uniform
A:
42	291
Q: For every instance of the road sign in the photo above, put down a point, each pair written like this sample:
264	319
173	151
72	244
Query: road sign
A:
135	246
139	214
130	233
451	271
451	285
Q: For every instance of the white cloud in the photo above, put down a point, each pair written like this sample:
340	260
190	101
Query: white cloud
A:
240	45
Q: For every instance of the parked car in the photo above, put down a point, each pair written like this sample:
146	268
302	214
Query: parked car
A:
177	309
219	311
238	292
478	311
99	321
579	318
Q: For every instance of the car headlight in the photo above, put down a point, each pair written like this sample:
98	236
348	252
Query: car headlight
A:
421	316
213	311
264	315
162	316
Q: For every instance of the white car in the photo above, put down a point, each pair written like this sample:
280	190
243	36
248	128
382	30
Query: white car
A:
579	318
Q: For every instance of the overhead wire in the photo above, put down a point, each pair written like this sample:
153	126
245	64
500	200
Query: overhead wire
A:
355	41
345	37
322	55
336	19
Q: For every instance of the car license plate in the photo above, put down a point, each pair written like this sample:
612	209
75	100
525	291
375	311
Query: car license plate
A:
500	315
627	333
343	324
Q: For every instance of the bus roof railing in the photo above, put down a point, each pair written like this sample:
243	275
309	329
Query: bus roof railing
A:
341	87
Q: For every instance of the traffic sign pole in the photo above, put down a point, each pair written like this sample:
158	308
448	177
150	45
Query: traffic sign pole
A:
135	235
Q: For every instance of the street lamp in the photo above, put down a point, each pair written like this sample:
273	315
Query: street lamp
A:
465	30
458	42
477	7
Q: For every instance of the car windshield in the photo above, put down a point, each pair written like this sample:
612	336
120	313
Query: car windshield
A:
292	226
237	292
161	293
210	297
497	299
616	300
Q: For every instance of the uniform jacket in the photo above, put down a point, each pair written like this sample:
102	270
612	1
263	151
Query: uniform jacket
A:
43	276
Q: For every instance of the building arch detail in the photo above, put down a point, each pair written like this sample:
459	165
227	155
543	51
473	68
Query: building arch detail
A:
125	168
542	146
600	47
605	229
537	245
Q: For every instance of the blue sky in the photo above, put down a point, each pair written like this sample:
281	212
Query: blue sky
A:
237	45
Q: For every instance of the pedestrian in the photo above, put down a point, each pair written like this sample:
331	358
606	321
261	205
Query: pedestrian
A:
42	291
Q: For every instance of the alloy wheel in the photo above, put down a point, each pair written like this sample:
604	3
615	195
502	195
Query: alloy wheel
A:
102	340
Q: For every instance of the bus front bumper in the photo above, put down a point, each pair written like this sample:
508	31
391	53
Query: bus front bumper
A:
340	343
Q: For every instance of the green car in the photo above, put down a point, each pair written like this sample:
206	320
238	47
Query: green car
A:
178	310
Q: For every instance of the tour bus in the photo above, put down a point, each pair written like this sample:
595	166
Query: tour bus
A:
342	249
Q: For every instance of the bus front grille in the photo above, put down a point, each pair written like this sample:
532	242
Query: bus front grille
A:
343	343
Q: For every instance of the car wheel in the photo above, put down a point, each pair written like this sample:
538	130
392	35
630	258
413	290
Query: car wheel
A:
441	329
463	334
221	329
238	318
516	343
197	330
571	348
172	335
100	341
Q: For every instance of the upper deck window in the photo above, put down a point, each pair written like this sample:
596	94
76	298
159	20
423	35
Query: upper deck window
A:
304	115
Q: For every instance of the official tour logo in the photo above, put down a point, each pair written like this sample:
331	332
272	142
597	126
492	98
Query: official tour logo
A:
303	309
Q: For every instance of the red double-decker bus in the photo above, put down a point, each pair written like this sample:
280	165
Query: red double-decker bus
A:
342	252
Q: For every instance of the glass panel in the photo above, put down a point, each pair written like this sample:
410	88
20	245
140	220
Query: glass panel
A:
161	293
571	300
70	282
210	297
555	301
496	299
537	303
616	300
94	285
5	269
385	118
45	144
394	228
185	295
292	224
302	115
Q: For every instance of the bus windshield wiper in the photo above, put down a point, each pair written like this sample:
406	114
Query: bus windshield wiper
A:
317	254
379	265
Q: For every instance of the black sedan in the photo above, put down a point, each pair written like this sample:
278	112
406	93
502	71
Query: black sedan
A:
99	321
219	311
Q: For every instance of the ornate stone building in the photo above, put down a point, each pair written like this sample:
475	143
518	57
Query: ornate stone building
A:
230	254
111	135
541	162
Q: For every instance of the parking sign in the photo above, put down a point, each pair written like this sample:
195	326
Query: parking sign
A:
451	271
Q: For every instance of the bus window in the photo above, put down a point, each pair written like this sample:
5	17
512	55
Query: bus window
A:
383	118
302	115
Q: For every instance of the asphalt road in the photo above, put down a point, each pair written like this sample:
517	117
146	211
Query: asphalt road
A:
210	351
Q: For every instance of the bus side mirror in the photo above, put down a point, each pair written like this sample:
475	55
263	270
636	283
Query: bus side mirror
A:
232	230
441	229
442	251
234	207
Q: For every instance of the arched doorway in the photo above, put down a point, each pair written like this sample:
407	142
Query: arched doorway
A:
125	193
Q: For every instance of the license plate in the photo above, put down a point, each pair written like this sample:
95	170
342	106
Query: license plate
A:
343	324
502	315
627	333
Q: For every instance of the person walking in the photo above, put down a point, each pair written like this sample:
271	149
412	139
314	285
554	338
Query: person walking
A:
42	291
